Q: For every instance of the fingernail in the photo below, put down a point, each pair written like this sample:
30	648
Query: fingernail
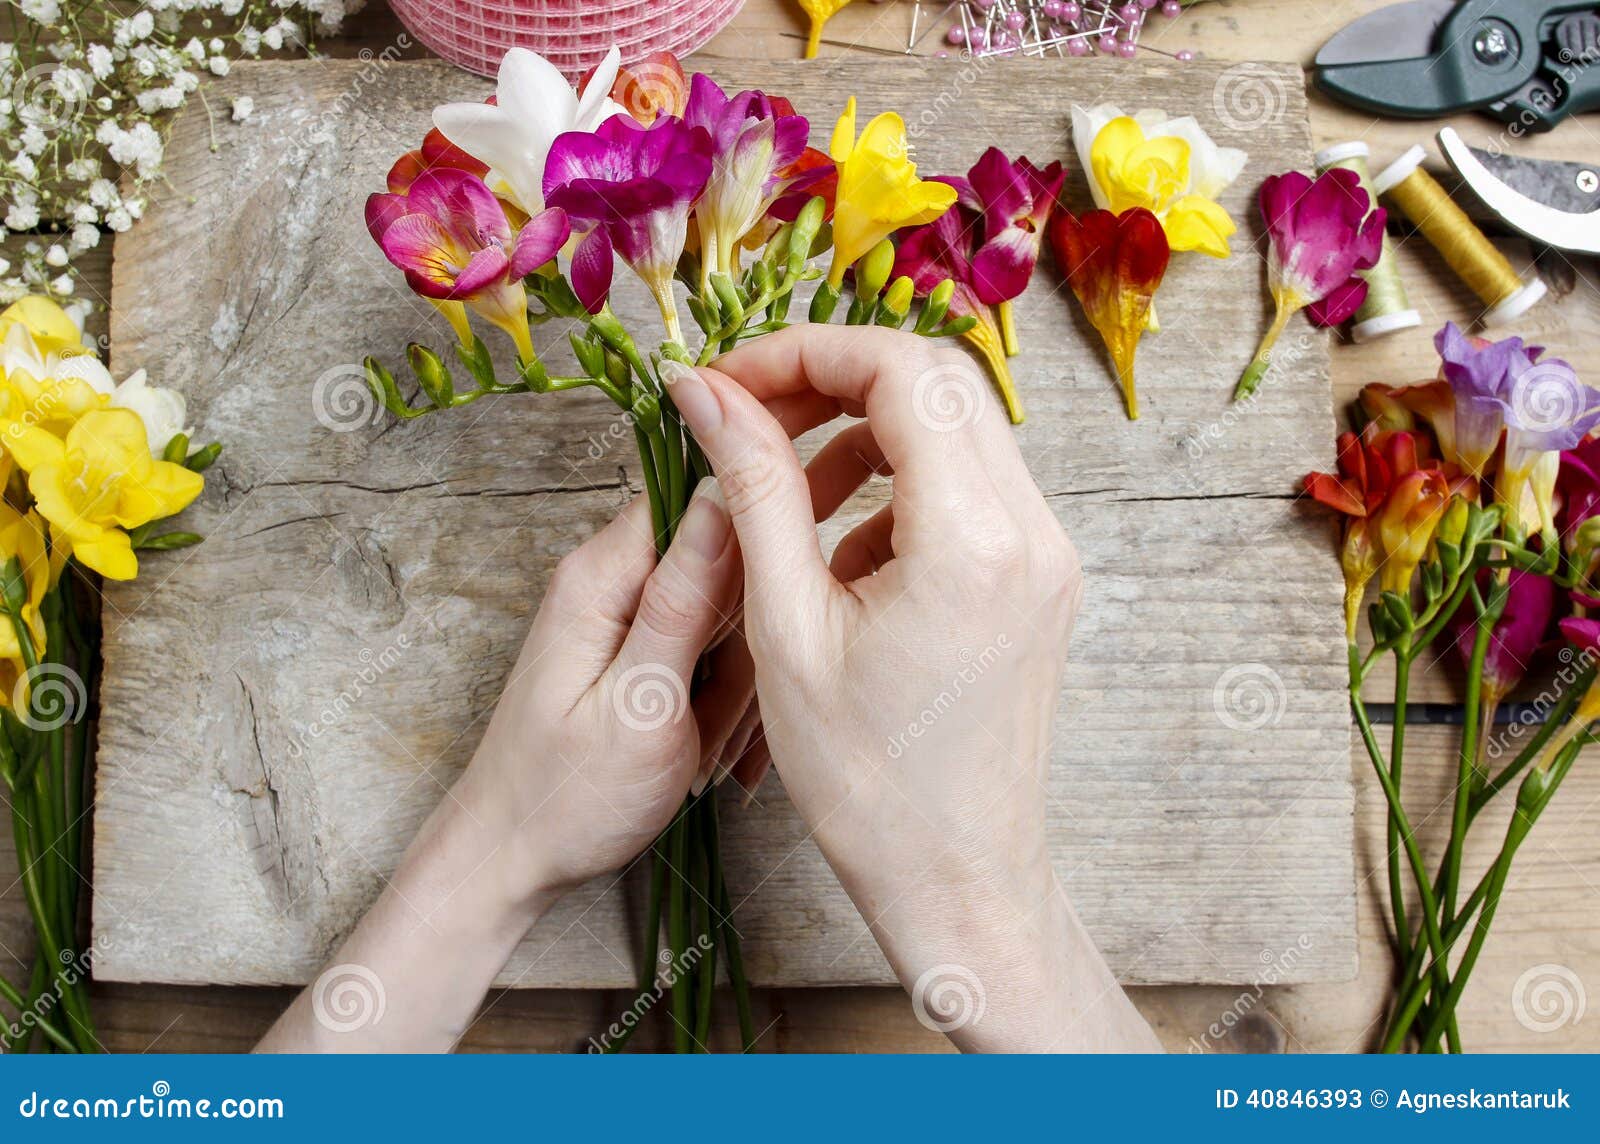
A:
697	787
705	524
691	395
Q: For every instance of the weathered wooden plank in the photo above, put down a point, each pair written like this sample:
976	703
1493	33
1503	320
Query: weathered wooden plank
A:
284	703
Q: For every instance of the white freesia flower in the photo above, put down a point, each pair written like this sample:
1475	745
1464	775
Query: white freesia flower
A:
19	353
534	103
162	410
1211	168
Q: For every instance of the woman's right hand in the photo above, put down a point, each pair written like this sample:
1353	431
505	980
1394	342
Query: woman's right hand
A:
908	690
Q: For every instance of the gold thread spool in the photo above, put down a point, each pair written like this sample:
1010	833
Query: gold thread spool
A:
1461	244
1386	309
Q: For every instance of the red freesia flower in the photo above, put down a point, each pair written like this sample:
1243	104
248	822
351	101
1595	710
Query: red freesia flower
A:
1113	262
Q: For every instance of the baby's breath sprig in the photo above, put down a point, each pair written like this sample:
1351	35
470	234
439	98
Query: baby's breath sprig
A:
86	94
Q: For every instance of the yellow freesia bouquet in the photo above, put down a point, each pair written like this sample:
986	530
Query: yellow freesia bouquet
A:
91	468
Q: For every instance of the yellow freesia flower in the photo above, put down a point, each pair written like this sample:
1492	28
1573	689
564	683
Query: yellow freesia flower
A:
820	11
51	328
1170	167
878	190
22	536
99	481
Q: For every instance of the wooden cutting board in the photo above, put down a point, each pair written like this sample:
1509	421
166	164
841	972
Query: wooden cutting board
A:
284	704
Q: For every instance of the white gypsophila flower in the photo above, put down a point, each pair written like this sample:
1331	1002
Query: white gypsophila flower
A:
103	192
83	213
33	140
22	216
196	50
219	65
84	169
62	284
56	255
243	106
100	60
41	11
12	289
273	38
85	236
118	219
24	167
5	266
162	410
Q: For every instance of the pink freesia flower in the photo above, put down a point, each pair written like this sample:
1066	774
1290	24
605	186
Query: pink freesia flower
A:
943	249
1515	637
450	235
1579	485
631	187
756	140
1320	233
1014	201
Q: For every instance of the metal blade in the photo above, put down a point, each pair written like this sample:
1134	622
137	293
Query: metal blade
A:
1570	187
1566	230
1398	32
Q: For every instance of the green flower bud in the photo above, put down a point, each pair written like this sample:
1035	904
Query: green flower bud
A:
431	374
177	449
728	295
933	310
13	587
591	354
381	382
823	304
203	459
872	271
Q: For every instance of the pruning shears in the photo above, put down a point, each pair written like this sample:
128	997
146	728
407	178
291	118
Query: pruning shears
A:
1549	200
1530	62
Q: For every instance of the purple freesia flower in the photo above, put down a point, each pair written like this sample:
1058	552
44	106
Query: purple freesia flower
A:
450	235
1539	401
1321	234
755	141
1530	603
632	187
1014	201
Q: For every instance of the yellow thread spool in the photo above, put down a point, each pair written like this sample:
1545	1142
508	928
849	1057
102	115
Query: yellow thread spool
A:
1462	245
1386	309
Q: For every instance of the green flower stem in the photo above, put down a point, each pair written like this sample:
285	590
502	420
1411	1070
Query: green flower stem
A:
1430	909
730	936
1397	745
678	933
1257	369
1466	764
1522	820
29	863
37	982
1558	716
705	891
21	1003
652	922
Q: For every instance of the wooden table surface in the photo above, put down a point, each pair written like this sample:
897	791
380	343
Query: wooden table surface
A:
1549	913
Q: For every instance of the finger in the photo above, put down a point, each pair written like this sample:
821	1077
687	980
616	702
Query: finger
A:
842	466
761	479
865	548
591	599
682	603
728	758
934	414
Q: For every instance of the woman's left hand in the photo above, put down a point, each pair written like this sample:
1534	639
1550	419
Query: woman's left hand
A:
590	752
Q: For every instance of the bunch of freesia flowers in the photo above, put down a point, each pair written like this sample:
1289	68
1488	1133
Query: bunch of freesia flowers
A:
1474	501
91	469
518	210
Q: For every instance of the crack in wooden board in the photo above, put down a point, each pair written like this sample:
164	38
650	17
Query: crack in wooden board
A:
285	703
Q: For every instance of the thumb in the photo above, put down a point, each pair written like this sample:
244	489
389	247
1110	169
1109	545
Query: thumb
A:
761	480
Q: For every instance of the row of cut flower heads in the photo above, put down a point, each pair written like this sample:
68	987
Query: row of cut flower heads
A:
680	182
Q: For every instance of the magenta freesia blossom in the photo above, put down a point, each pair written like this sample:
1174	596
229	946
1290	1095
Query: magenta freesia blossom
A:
1579	484
631	187
755	142
1320	233
1014	201
1530	602
450	235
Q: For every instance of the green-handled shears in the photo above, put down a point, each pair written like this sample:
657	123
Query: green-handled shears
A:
1532	62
